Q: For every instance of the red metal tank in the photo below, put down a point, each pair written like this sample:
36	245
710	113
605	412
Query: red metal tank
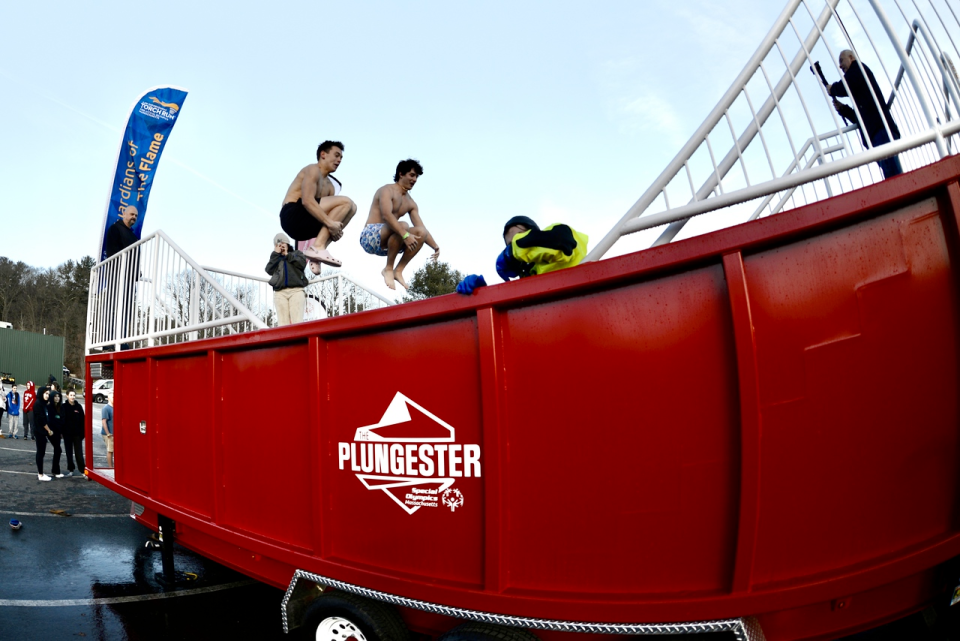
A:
759	422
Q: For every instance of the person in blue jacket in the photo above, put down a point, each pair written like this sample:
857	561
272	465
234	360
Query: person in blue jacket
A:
531	250
13	411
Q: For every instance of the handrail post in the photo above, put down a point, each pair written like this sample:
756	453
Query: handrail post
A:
94	276
121	301
912	75
194	303
154	278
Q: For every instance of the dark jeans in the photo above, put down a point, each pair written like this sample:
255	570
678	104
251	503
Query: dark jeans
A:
889	166
42	439
27	424
74	447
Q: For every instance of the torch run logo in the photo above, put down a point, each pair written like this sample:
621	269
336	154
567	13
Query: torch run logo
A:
413	459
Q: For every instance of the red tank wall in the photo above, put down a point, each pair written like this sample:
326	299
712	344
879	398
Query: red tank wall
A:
757	421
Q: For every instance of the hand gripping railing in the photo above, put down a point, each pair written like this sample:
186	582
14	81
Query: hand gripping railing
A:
834	158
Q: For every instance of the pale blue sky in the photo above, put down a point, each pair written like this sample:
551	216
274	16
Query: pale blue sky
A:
561	111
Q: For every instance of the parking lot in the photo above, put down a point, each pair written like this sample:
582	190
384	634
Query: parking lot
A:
79	568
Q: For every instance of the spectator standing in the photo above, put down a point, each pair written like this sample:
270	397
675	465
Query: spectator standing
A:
43	431
106	429
56	423
120	235
73	435
13	411
868	98
29	400
3	408
286	268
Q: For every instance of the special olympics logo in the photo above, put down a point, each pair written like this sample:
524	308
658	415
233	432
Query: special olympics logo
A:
452	498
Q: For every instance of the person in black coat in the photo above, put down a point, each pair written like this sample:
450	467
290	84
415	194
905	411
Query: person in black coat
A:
42	429
56	423
873	113
120	234
73	435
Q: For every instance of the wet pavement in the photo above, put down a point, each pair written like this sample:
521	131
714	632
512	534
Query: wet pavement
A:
79	568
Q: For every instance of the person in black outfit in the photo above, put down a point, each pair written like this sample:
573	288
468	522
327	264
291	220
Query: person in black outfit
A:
120	235
73	435
56	423
857	74
42	429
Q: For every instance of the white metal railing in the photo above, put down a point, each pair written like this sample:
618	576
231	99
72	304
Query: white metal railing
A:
153	293
762	170
332	294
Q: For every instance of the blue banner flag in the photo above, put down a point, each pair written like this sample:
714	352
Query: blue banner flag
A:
148	129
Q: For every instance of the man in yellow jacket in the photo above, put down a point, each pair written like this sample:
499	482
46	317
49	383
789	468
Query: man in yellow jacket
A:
531	250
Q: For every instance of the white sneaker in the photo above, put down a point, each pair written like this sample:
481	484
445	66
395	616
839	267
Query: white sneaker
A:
59	476
43	477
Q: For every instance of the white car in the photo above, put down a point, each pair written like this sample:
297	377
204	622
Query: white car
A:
101	388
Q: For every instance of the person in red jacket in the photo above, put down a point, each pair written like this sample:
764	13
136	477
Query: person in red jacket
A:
29	398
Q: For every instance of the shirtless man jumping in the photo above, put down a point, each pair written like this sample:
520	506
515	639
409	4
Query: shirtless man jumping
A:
386	235
310	208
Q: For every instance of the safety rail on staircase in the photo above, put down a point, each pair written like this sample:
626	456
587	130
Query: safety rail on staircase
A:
762	170
153	293
330	294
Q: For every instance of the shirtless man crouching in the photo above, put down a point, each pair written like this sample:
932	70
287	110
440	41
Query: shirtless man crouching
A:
311	210
386	235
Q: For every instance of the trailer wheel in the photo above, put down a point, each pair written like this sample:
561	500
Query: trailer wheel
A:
339	616
477	631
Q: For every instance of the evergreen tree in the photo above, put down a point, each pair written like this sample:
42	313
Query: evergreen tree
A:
433	279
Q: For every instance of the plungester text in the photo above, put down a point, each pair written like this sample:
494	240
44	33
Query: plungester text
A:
411	459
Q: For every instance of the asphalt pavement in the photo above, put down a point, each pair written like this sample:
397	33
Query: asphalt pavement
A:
79	568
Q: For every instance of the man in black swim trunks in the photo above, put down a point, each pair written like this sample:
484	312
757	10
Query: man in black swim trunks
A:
312	210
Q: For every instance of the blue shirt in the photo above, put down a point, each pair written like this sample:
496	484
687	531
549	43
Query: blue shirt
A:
13	404
107	413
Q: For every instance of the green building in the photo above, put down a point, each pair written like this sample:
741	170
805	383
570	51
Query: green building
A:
31	357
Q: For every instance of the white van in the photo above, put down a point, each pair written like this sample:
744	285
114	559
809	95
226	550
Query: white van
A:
101	388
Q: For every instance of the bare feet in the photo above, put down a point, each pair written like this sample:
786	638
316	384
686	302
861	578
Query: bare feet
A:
321	255
398	276
387	274
314	267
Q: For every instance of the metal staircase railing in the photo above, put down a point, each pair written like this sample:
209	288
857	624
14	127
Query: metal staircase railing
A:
153	293
758	122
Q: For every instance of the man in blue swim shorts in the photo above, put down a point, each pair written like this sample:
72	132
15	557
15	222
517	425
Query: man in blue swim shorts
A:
386	235
370	239
312	210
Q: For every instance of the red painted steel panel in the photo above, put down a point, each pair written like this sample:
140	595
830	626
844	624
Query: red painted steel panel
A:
750	420
132	451
611	404
437	367
183	438
856	334
610	457
265	409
